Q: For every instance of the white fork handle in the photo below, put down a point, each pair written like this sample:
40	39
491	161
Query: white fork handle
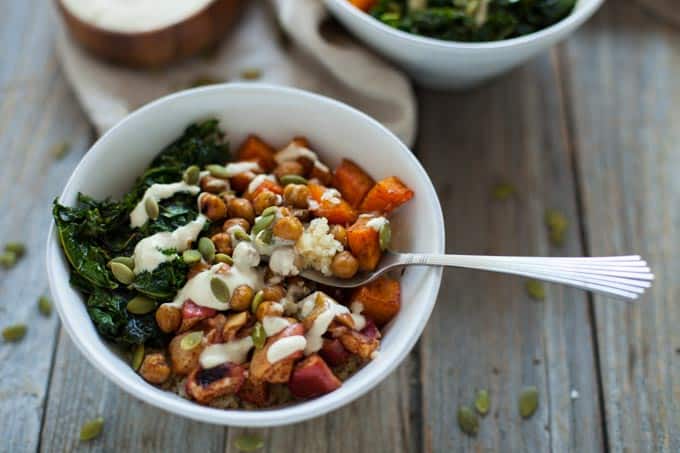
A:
622	276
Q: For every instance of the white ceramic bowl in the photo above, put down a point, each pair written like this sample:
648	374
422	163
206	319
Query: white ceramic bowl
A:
454	65
277	114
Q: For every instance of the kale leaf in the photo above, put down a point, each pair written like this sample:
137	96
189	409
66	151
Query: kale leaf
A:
164	281
201	144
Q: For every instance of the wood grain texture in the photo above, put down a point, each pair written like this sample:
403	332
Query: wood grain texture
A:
485	331
627	144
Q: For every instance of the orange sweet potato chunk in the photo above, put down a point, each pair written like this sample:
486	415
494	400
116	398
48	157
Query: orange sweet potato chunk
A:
352	182
364	243
381	299
336	213
363	5
386	196
255	149
267	184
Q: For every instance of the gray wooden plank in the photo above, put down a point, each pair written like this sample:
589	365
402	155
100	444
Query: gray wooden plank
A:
485	331
625	118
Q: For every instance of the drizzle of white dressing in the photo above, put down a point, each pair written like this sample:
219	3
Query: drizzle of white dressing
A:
258	180
198	288
149	254
332	196
314	335
294	151
313	204
158	192
357	317
284	347
282	261
236	168
235	351
377	223
274	324
245	255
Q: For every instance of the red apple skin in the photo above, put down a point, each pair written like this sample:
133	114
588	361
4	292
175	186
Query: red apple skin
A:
333	352
370	330
312	378
191	310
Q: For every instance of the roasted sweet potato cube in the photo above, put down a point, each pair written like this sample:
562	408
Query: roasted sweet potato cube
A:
364	5
386	196
381	299
267	184
255	149
340	213
364	243
352	182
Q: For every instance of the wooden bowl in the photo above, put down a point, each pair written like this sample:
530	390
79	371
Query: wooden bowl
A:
160	47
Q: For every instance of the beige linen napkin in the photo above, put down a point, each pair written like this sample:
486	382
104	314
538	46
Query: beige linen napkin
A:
331	65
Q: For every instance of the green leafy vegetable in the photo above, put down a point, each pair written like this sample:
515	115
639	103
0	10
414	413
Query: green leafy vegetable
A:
472	20
164	281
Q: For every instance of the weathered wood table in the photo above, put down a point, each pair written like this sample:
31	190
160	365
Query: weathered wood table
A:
591	128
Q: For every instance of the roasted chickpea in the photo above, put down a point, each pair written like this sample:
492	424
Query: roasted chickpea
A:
264	199
296	195
241	298
214	185
288	228
273	293
240	207
340	234
243	223
222	243
289	168
240	181
155	368
168	318
268	308
212	206
344	265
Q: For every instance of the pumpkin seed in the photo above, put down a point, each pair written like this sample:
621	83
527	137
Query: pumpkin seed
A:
241	235
557	226
151	207
91	429
528	401
207	249
257	300
8	259
45	305
265	236
218	171
224	258
535	289
271	210
259	336
140	305
137	357
249	442
191	340
60	150
126	260
251	74
293	179
191	256
503	191
219	289
468	421
191	175
14	333
16	247
263	222
482	402
385	236
122	273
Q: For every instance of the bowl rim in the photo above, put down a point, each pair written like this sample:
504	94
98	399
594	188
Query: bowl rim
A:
284	415
576	17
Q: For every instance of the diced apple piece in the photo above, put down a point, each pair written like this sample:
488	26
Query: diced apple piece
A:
334	352
312	378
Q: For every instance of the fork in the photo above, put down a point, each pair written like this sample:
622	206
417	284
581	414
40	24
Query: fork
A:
625	277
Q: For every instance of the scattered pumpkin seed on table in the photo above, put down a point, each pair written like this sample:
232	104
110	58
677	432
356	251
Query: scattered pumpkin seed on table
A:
468	421
207	248
60	150
140	305
219	289
191	256
14	333
91	429
503	191
528	401
8	259
482	402
249	442
557	224
45	305
122	273
16	247
535	289
137	357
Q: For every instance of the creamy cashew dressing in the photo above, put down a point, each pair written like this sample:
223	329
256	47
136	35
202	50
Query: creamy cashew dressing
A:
274	324
235	351
294	151
158	192
258	180
236	168
245	256
357	317
377	223
149	254
284	347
